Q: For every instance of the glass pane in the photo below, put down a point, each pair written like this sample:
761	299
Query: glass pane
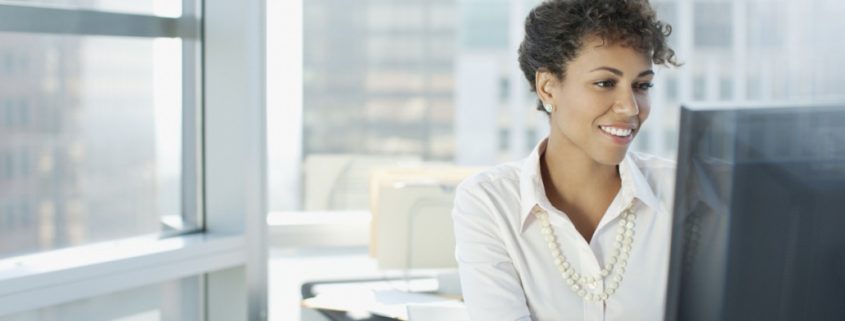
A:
438	81
396	89
90	140
713	27
164	8
171	301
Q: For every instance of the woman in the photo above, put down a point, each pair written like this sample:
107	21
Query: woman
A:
580	229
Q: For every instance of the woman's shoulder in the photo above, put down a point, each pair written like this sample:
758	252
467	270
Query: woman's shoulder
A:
493	180
492	194
659	172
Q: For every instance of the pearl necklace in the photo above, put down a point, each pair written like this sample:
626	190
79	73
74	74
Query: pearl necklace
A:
613	269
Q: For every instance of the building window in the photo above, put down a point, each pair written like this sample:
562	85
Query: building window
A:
9	114
24	112
8	166
725	88
713	25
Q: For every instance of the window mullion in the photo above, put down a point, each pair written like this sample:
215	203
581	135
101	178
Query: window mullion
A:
16	18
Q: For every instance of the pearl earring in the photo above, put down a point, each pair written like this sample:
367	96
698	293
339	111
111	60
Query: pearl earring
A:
549	108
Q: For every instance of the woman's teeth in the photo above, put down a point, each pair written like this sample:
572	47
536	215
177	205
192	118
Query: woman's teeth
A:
621	132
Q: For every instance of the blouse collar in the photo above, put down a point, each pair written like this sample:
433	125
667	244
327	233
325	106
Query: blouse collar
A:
532	191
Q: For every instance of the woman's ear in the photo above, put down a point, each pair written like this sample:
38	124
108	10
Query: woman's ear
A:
544	81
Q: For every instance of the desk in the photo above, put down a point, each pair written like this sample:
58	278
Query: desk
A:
379	299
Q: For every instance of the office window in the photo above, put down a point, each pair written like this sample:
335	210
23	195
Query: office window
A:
380	83
381	86
108	195
164	8
381	63
176	300
380	60
115	151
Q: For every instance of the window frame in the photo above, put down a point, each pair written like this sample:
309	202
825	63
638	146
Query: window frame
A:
224	195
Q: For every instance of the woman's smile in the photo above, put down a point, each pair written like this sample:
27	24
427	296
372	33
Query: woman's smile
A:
619	134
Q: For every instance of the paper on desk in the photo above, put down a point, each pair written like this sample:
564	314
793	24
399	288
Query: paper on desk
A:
388	303
438	311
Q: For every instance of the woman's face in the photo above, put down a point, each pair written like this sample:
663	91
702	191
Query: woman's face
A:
602	102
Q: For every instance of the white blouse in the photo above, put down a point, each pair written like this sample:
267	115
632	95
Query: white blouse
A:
508	271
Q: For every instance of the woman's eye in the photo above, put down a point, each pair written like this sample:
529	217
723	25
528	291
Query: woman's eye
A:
605	83
645	86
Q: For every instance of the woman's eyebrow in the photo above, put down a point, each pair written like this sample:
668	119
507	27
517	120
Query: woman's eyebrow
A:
646	73
620	73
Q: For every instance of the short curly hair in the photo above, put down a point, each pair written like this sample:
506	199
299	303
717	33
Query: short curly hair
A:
556	29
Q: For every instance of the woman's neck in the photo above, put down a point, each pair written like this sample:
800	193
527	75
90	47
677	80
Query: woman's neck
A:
574	173
578	185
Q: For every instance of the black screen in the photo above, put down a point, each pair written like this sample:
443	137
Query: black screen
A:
759	215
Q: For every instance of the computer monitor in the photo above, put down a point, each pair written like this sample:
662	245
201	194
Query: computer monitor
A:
759	214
